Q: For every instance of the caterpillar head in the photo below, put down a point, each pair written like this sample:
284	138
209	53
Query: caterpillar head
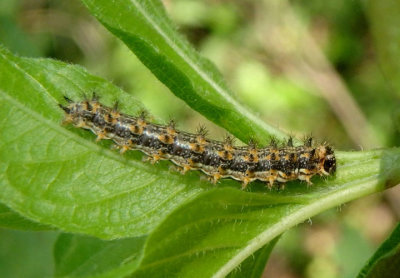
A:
330	161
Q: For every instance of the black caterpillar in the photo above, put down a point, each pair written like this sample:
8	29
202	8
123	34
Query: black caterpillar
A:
195	152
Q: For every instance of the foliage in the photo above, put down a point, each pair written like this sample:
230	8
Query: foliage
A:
147	221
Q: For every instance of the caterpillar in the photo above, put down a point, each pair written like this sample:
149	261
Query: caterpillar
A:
217	159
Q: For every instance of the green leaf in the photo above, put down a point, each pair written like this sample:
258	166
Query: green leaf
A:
12	220
213	234
385	22
386	260
145	28
80	256
58	175
253	266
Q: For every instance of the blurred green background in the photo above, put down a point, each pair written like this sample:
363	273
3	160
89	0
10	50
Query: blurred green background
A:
305	66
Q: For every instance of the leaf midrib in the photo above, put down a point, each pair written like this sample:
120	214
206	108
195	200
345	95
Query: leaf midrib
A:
338	197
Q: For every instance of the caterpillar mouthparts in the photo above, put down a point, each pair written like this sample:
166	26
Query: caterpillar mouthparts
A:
217	159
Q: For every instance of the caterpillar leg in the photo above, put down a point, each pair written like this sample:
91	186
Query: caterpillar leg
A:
123	149
181	169
214	178
306	178
154	158
100	136
271	180
245	182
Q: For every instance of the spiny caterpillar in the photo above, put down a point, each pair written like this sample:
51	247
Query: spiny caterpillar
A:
195	152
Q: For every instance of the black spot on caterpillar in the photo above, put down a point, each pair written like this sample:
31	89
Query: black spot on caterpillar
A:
271	164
